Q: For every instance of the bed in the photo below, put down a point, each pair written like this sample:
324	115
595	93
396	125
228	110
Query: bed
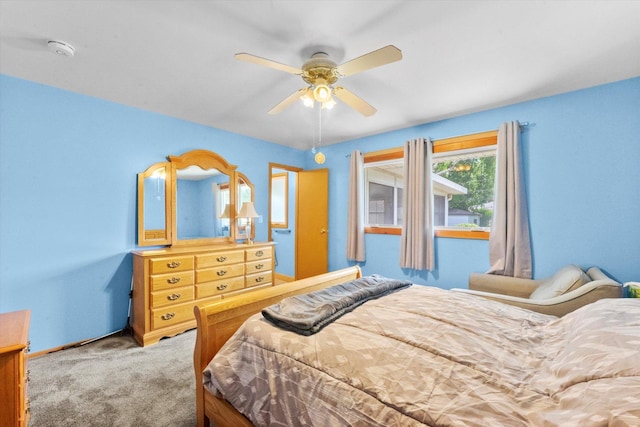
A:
418	356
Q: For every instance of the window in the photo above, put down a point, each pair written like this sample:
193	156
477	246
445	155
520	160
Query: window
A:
279	200
383	193
221	194
463	183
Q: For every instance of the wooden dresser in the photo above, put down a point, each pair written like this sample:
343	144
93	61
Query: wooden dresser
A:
14	344
168	283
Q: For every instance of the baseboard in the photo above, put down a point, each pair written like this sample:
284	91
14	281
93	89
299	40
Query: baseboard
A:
33	355
283	277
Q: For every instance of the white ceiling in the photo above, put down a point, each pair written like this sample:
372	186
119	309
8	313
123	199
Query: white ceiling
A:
177	57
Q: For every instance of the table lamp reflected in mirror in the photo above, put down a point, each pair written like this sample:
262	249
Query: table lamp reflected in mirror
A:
248	211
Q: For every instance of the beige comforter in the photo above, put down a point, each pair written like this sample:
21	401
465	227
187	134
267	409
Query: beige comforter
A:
426	356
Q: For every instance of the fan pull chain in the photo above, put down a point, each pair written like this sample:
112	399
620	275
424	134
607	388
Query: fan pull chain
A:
317	127
319	157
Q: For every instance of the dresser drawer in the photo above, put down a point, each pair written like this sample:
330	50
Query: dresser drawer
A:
258	266
172	296
258	279
219	287
259	253
219	273
171	315
170	281
219	258
170	264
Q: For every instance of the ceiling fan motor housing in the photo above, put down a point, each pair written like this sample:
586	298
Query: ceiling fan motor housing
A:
320	69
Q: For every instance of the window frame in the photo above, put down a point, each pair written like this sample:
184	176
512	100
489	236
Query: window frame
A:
457	143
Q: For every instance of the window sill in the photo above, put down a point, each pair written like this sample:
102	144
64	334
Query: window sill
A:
462	234
447	233
383	230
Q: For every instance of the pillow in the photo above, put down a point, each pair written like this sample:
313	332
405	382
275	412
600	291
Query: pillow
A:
565	280
596	274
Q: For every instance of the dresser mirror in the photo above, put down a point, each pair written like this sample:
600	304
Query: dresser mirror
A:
246	192
154	204
204	193
190	200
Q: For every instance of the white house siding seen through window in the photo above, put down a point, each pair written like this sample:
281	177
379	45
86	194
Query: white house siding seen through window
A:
463	185
439	212
383	192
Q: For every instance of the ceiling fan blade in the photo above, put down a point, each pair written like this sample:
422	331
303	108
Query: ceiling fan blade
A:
354	101
370	60
247	57
295	96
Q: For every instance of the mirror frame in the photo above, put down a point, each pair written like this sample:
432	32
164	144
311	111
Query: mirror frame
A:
144	239
243	177
206	160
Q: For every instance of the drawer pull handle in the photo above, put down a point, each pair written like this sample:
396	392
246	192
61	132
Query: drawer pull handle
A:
167	316
221	259
173	297
174	264
259	266
259	253
221	287
173	280
221	272
259	279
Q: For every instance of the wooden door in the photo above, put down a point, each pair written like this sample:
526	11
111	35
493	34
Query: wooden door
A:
312	224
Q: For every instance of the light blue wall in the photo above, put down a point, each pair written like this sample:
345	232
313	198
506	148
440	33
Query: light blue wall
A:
581	161
68	166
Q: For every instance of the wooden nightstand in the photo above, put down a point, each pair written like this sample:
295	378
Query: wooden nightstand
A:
632	289
14	344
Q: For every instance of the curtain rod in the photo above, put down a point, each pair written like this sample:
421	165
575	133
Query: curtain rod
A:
522	126
525	125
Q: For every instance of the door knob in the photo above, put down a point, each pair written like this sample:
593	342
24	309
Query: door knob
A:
323	231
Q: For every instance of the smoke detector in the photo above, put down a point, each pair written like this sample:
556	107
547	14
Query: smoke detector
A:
61	48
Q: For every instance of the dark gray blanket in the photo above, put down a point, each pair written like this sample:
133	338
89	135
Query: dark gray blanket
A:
308	313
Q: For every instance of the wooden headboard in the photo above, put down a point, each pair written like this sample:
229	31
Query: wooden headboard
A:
216	323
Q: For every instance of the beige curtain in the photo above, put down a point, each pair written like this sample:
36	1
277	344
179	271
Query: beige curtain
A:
416	243
509	244
355	219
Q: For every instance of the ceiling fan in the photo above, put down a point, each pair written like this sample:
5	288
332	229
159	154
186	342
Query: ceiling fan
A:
320	73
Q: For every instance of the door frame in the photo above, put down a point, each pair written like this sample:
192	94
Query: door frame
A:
288	168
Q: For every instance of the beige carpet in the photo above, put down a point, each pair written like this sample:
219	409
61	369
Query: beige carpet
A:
114	382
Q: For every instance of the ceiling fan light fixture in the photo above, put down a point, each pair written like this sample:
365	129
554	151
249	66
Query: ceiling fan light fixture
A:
322	93
307	98
329	104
